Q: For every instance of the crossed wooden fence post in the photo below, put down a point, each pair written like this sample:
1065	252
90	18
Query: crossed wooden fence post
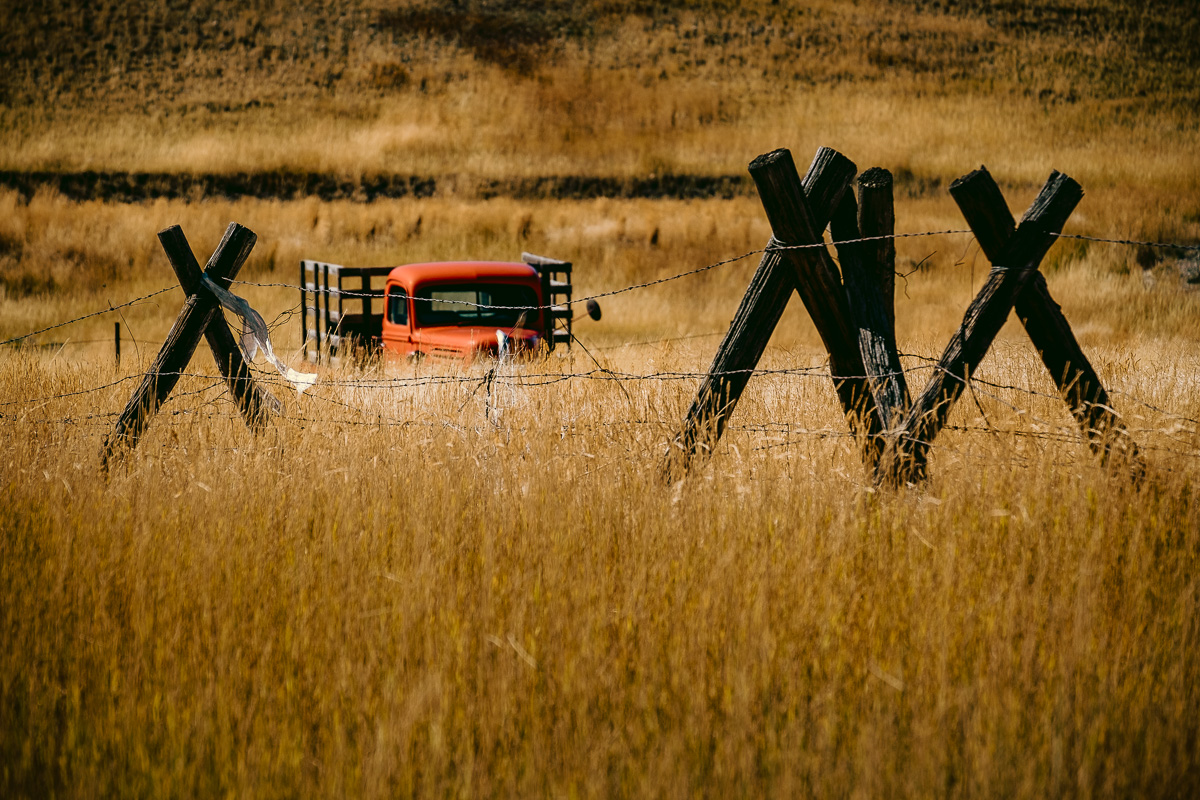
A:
987	213
854	314
200	316
770	289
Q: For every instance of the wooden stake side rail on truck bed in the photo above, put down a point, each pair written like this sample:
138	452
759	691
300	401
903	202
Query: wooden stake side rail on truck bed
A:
556	293
337	326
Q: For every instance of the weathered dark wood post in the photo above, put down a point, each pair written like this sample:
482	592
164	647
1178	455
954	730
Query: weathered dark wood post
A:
255	403
1051	334
868	272
304	308
752	324
877	218
817	282
193	321
1013	266
117	342
328	315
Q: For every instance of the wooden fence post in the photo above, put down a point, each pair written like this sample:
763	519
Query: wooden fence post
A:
818	284
752	325
877	217
870	298
181	343
304	309
1051	334
1014	265
255	403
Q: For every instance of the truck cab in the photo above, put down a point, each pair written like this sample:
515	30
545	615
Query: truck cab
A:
455	309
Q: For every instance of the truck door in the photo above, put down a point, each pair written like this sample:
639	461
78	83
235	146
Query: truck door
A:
397	327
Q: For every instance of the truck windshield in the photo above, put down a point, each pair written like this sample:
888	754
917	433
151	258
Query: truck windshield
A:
469	305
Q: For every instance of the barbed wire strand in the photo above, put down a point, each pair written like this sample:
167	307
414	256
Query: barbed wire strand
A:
1134	242
773	247
1059	434
634	287
88	316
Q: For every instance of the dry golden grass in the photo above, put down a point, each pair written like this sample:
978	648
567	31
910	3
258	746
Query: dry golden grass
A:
395	596
405	587
390	592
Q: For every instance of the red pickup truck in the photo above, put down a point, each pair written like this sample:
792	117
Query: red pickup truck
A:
452	309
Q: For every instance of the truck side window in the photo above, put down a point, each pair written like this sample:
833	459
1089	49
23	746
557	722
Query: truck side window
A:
397	306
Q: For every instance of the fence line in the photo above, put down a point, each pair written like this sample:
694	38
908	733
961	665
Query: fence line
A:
533	380
773	247
542	379
1063	434
1054	432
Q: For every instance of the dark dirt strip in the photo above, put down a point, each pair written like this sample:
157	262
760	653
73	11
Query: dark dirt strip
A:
133	187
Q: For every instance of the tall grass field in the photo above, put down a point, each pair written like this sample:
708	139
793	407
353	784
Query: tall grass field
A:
454	580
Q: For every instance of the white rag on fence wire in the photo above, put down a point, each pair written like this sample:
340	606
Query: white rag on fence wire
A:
500	380
255	335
